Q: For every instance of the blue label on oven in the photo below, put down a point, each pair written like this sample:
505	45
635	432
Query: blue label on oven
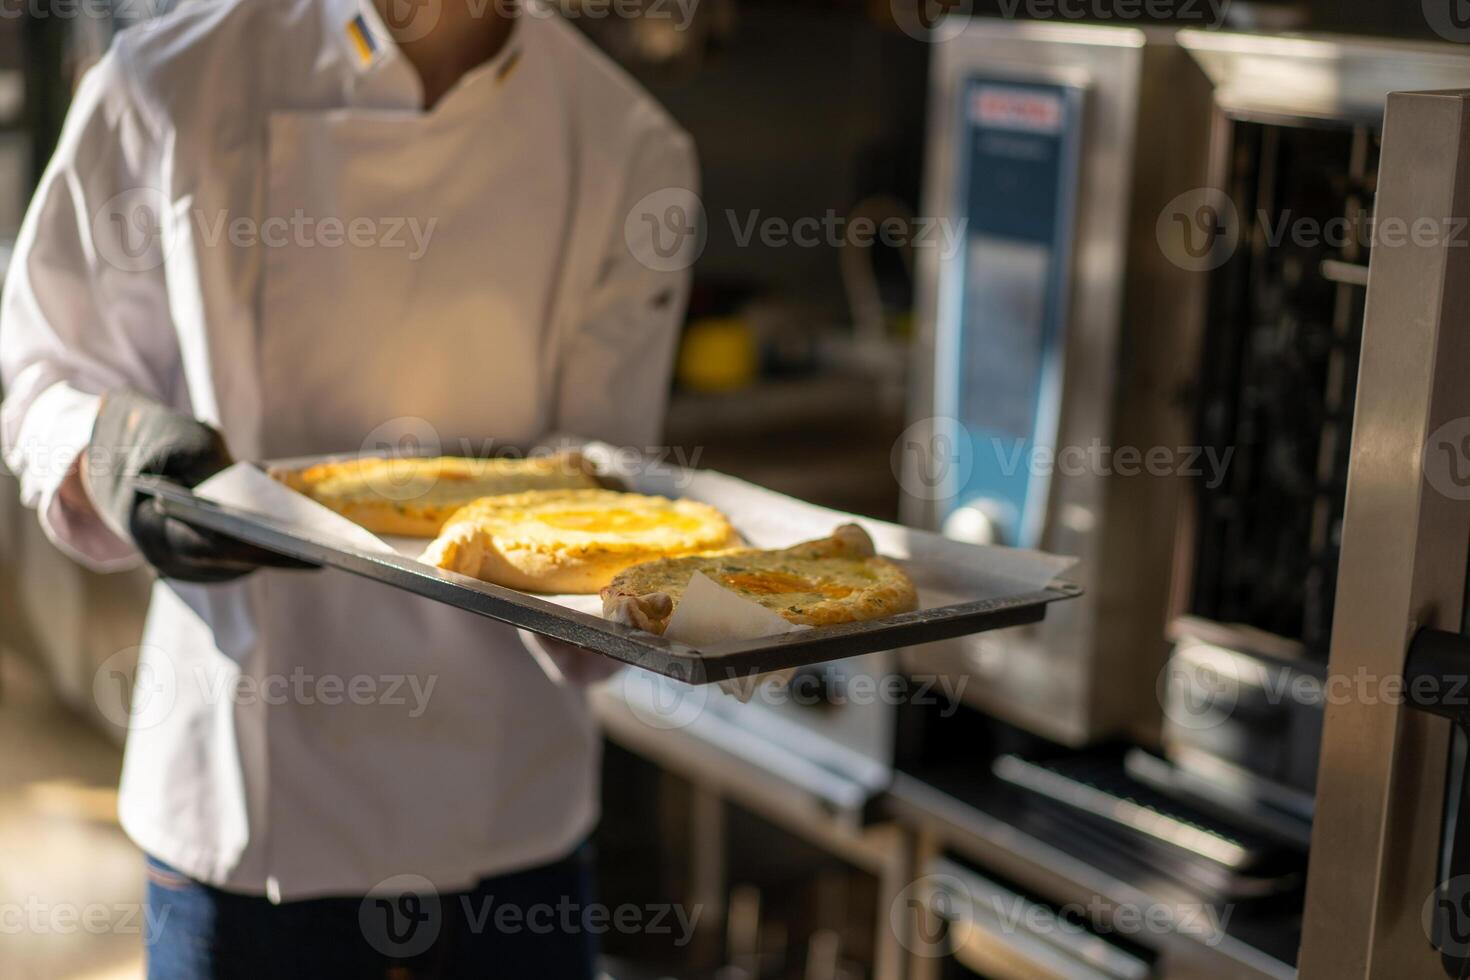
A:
1018	178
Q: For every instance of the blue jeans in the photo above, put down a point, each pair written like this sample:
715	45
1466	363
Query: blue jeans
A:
530	924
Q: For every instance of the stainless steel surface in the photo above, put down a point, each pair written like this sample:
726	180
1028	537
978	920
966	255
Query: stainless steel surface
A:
1076	677
1380	788
1319	76
734	660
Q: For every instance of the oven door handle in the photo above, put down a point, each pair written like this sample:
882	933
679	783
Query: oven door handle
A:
1437	681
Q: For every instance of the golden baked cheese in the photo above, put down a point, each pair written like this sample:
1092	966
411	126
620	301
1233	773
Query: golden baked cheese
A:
415	496
572	540
837	579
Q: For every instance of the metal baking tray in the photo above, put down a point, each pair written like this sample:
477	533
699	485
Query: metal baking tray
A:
723	661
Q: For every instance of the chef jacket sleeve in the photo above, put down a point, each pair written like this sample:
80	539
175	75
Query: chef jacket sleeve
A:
84	308
617	360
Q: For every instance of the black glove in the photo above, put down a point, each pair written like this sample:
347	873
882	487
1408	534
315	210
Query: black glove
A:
134	436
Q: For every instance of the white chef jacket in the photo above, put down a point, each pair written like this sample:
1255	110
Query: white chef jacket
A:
304	734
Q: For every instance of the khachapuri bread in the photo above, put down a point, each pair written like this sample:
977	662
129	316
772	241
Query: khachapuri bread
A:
415	496
573	540
837	579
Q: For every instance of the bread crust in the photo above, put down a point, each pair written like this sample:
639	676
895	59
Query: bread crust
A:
572	541
415	496
836	579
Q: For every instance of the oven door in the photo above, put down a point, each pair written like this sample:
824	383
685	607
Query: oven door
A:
1387	883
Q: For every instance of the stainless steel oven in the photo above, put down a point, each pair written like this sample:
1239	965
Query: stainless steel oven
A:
1050	350
1287	219
1256	259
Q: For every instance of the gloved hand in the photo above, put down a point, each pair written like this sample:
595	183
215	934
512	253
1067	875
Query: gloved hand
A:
133	436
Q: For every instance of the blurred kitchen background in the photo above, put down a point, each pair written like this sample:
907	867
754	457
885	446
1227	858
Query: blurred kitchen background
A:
1080	761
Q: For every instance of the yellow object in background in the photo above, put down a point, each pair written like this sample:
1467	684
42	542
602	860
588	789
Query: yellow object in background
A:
718	354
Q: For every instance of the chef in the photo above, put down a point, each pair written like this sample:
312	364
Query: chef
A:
276	228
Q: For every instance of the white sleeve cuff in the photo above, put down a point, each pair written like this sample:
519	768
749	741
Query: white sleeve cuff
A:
46	455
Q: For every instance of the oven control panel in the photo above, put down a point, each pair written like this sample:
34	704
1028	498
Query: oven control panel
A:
1000	362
